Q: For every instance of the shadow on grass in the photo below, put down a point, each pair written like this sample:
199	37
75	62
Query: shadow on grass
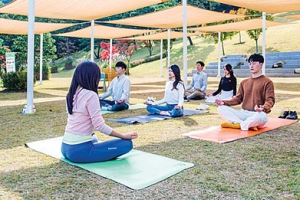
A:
14	96
265	166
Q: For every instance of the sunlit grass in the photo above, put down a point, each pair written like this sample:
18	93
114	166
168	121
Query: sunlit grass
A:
261	167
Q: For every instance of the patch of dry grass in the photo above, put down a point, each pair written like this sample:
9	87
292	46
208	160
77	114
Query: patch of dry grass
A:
265	166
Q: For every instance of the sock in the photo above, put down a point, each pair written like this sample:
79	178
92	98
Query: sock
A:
253	128
230	125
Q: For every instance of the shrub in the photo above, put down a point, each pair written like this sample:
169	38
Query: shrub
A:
54	69
69	64
15	81
46	71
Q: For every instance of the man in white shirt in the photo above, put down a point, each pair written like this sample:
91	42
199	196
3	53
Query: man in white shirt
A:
197	88
119	89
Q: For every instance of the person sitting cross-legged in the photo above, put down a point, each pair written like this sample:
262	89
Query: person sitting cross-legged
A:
119	89
256	94
197	88
227	86
80	144
173	97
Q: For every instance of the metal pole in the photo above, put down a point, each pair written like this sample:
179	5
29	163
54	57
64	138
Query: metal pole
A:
161	57
110	53
92	39
41	58
264	41
184	39
169	48
219	55
29	108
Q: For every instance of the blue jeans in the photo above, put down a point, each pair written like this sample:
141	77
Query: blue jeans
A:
114	106
96	152
155	109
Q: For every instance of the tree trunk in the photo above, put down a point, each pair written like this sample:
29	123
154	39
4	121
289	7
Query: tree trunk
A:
256	43
190	40
223	51
128	67
68	52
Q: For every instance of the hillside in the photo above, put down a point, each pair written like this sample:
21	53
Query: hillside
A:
278	39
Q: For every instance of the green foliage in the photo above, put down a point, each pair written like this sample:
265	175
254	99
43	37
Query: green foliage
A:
146	60
69	64
255	33
20	47
15	81
66	46
45	71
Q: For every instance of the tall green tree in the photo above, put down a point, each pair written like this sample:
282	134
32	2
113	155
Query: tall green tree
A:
255	33
20	47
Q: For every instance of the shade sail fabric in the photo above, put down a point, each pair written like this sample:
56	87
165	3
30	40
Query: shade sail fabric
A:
104	32
160	35
268	6
172	18
237	26
76	9
9	26
295	17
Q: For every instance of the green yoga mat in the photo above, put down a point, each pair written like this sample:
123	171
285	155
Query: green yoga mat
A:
136	169
131	107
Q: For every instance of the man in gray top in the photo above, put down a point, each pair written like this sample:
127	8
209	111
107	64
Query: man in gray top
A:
197	88
119	89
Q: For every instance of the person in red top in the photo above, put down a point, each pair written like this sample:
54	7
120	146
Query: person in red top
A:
256	94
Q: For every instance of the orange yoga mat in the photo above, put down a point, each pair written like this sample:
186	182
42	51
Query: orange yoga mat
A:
223	135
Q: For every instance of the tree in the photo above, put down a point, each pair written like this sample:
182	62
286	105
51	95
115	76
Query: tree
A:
65	46
126	49
3	50
240	11
224	35
149	45
255	33
20	47
105	51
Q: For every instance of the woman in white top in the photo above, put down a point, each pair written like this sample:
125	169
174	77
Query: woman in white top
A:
173	98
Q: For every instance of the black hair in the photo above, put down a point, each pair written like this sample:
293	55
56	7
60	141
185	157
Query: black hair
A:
201	63
87	75
121	64
176	71
229	69
256	58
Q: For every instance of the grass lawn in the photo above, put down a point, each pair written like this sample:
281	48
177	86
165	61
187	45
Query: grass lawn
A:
265	166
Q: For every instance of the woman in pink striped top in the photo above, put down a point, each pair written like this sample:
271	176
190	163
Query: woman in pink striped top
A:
79	143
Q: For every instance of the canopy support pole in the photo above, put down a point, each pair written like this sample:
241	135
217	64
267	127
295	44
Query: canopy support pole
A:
30	108
264	42
169	44
161	57
184	25
41	58
110	53
219	55
92	40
